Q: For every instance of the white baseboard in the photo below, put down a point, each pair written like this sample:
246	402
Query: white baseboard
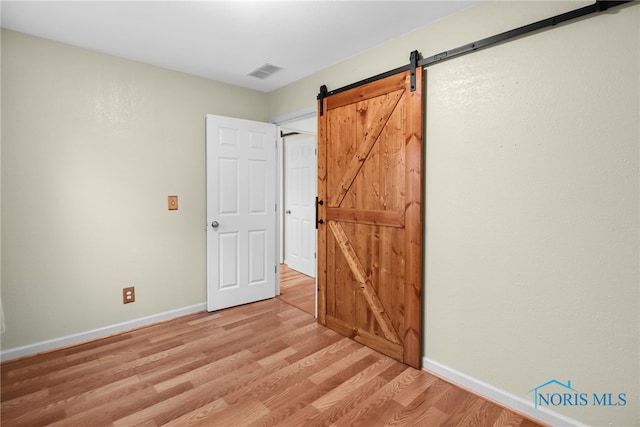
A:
509	400
68	340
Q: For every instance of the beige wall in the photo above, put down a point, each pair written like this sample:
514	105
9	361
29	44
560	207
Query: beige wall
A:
92	145
532	211
532	199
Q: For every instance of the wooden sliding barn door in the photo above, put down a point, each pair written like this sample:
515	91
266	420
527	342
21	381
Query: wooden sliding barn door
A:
370	151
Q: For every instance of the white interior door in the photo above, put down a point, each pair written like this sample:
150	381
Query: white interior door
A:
300	177
241	211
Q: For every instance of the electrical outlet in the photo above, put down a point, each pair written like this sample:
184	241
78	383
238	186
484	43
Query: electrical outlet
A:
128	295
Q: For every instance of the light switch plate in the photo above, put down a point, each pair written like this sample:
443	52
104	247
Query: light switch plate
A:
173	203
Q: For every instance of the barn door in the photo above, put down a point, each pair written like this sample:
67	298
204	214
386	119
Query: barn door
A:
370	151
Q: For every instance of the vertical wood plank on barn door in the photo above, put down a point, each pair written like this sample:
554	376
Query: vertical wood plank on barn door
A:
370	156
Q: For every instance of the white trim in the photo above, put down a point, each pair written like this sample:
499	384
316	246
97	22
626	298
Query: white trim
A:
502	397
69	340
280	197
296	115
279	203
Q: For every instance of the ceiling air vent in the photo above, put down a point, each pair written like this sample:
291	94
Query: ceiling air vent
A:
265	71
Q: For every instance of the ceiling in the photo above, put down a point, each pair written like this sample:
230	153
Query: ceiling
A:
227	40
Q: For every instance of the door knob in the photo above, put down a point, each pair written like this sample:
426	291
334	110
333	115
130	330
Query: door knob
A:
215	224
288	212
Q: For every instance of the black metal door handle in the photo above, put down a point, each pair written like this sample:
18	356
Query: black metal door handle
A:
318	221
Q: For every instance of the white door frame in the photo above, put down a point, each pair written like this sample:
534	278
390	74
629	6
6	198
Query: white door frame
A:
290	123
286	123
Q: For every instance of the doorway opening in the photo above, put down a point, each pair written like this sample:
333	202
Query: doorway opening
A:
298	190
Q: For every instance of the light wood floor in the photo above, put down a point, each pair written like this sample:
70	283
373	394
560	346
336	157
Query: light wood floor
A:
297	289
262	364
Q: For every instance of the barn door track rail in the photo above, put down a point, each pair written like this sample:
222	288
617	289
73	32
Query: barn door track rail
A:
415	61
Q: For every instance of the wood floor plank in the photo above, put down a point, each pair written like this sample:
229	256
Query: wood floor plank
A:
201	415
202	395
297	289
341	394
144	409
262	364
279	391
110	392
485	413
278	386
323	375
368	411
